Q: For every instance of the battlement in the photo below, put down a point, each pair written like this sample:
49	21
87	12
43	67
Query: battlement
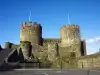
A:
71	29
72	26
28	25
31	28
51	40
68	30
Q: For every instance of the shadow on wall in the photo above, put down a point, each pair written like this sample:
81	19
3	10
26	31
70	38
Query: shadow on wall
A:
13	57
21	57
0	48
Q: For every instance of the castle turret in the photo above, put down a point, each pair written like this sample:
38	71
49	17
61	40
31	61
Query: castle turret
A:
68	34
70	40
31	32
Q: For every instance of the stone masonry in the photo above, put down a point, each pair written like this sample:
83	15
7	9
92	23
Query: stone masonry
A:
68	51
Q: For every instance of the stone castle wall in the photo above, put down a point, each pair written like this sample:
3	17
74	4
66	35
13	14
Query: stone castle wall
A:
89	61
40	51
52	51
75	49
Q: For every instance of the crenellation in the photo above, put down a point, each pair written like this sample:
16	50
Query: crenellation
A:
46	41
30	25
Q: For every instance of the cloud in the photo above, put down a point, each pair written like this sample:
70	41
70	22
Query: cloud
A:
93	40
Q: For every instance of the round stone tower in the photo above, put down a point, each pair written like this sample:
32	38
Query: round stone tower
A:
68	34
31	32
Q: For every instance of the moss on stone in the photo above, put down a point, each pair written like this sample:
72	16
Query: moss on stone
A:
23	43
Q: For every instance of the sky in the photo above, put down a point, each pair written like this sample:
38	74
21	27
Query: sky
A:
52	15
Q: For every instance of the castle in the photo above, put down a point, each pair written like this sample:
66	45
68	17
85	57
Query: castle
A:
68	51
69	36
